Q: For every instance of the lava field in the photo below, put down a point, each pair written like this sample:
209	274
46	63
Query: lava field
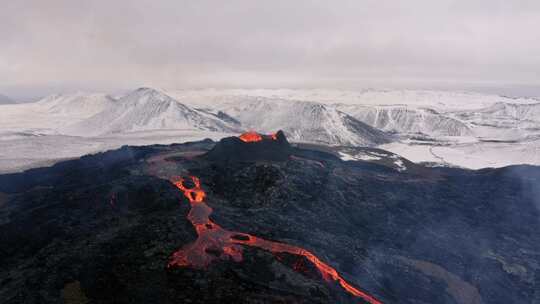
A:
254	219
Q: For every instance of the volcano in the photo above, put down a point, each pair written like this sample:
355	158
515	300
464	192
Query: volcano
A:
251	146
252	219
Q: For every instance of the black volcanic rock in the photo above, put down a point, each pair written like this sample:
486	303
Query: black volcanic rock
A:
101	229
233	149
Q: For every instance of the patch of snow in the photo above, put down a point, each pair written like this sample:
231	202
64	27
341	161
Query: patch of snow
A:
17	154
358	156
471	155
400	165
414	153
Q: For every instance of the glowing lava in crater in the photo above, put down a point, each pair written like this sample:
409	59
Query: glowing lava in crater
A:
255	137
214	242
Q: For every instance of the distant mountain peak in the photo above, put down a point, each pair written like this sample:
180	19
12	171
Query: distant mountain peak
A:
148	91
147	109
148	94
5	100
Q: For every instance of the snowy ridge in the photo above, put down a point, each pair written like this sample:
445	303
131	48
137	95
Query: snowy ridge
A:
506	115
440	100
525	112
147	109
403	119
79	104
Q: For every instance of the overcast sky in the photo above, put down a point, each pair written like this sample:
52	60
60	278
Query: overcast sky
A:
115	45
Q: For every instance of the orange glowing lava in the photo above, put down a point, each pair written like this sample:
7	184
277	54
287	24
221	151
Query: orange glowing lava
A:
214	242
254	136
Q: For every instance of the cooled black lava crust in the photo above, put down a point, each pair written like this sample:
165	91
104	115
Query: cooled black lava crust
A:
101	229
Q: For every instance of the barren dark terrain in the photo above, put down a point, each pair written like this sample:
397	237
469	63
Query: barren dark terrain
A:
103	228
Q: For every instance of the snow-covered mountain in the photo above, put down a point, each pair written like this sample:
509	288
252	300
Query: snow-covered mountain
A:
406	112
77	104
302	121
407	120
505	115
502	121
51	113
441	101
148	109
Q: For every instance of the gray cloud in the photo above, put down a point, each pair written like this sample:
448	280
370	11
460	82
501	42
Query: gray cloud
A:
119	44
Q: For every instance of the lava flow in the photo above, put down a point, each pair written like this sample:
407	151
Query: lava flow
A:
254	136
214	242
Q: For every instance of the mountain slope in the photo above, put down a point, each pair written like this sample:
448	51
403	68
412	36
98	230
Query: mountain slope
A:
404	119
303	121
77	104
440	100
147	109
505	115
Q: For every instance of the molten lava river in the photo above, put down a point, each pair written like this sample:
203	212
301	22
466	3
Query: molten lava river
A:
214	242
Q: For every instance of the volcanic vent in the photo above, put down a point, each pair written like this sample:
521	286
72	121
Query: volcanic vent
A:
251	146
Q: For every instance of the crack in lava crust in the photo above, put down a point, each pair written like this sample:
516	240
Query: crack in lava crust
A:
214	242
